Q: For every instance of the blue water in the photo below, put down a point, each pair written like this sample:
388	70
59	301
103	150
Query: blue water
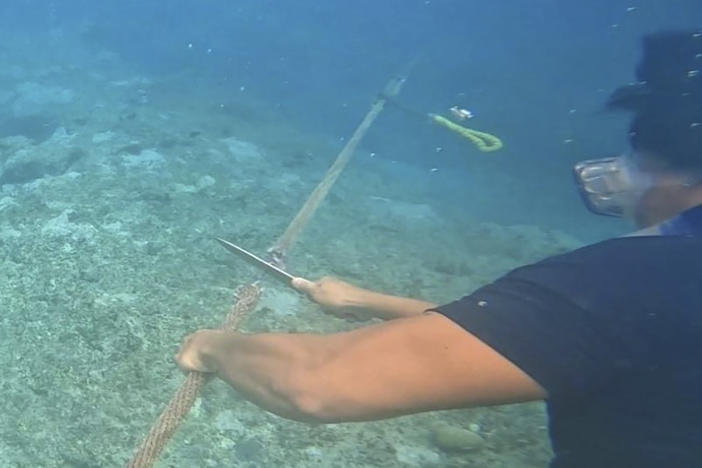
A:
118	165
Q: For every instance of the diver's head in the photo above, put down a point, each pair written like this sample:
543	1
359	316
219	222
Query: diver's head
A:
661	175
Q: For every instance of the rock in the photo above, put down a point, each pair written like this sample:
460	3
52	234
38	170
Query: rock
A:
103	137
205	182
6	202
249	449
27	163
35	98
456	439
62	226
147	159
37	128
242	151
416	456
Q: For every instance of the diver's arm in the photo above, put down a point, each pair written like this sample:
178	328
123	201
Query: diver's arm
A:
387	307
398	367
345	299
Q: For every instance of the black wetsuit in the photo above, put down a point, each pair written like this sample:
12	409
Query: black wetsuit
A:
613	332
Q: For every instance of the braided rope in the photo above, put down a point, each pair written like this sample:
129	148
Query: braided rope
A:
289	237
183	399
247	297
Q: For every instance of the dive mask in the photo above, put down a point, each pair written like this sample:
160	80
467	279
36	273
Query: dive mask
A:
610	186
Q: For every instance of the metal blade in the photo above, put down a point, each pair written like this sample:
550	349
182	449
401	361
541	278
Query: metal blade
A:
280	274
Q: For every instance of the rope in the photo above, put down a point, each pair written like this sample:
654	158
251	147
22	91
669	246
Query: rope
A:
183	399
289	237
485	142
247	297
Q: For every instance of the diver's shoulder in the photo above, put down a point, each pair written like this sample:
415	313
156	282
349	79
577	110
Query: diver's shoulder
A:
644	246
633	249
625	260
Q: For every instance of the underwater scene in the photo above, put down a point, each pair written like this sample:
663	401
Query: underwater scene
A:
134	134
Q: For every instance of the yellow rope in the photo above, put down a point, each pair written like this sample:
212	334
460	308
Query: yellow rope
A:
485	142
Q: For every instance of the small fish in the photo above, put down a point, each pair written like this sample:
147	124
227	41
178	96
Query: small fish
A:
460	113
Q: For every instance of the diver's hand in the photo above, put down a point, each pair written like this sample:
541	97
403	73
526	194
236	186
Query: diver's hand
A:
199	351
337	297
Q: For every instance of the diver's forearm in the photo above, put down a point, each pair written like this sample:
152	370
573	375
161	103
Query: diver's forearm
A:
391	307
268	369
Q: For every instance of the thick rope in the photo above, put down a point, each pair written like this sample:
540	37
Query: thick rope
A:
289	237
181	402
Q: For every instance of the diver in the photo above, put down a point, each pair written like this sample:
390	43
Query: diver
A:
609	335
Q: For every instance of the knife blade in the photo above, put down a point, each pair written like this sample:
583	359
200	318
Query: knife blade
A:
273	270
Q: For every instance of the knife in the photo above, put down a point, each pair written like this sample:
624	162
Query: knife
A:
279	273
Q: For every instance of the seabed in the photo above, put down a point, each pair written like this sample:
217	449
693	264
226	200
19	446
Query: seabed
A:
112	187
